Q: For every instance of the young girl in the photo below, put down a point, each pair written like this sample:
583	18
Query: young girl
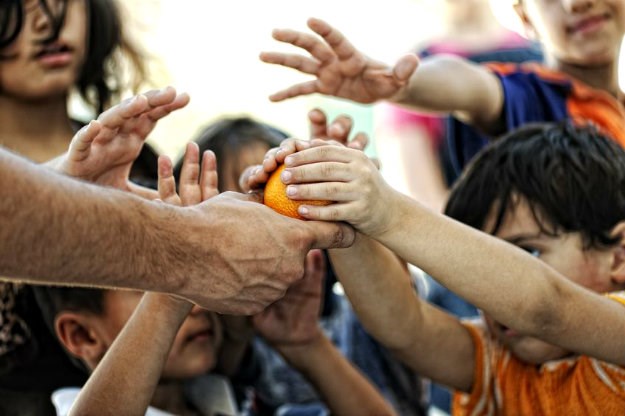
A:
47	48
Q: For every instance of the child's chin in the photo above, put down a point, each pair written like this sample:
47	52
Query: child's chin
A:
535	351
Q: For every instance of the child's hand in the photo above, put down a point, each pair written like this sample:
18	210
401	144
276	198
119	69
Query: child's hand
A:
338	131
292	321
103	151
346	176
340	69
197	183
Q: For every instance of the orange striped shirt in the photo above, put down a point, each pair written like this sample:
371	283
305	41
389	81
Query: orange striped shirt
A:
503	385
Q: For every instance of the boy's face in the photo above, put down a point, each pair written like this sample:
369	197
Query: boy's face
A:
579	32
589	268
37	71
233	165
194	350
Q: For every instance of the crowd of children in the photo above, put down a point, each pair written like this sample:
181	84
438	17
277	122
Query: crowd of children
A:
532	233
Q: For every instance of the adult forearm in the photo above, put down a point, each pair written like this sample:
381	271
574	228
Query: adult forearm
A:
59	230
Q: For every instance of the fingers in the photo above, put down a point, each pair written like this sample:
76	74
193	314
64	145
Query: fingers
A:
318	123
335	39
160	111
315	267
209	176
301	63
304	88
340	128
166	182
405	67
80	146
359	142
328	153
329	235
310	43
116	116
188	183
253	177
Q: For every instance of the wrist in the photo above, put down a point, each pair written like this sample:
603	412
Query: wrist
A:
304	354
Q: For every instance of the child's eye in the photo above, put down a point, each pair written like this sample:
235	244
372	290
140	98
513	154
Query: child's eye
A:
531	250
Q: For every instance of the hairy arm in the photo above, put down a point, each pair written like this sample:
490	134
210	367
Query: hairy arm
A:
116	387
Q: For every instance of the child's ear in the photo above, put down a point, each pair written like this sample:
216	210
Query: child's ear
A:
617	271
519	8
77	333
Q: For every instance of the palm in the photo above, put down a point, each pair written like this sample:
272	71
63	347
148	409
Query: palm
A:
293	319
104	151
340	69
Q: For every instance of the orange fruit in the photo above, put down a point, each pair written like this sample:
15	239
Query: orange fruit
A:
275	197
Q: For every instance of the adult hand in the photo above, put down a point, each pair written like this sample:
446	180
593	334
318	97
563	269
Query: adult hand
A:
293	320
246	255
339	68
103	151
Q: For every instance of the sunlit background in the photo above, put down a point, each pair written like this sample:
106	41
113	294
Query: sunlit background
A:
210	49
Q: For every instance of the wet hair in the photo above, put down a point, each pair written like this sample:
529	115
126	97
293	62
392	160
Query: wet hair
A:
100	81
227	136
572	177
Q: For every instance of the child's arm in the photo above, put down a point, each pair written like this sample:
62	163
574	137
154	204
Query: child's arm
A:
104	150
509	284
125	380
290	325
442	84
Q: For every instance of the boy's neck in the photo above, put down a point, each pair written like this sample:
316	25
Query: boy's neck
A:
169	397
603	77
39	130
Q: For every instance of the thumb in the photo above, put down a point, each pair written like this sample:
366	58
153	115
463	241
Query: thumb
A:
405	67
330	234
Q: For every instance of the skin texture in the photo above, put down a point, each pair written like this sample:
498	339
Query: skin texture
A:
515	288
93	235
471	93
290	325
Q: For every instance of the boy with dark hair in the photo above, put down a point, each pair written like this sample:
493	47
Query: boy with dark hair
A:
553	310
581	41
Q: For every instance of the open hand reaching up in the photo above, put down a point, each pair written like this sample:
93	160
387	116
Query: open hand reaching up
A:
103	151
339	68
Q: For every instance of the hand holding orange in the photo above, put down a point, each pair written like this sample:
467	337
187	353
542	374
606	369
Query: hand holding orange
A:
275	197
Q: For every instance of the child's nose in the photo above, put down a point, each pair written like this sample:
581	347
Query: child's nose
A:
578	6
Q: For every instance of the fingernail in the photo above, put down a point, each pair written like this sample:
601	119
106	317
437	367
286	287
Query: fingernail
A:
286	176
303	210
291	190
288	161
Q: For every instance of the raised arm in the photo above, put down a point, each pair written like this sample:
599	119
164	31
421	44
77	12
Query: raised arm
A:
58	230
291	327
441	84
116	387
509	284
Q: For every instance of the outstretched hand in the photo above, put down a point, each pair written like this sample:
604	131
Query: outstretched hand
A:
103	151
293	320
339	69
337	132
